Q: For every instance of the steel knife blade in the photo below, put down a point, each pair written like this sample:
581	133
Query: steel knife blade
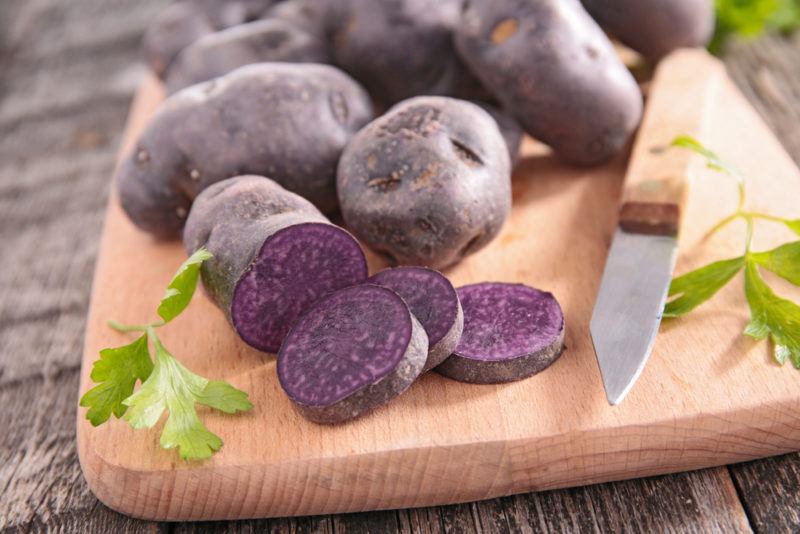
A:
638	270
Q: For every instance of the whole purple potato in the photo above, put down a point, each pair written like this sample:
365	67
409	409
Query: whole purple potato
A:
550	64
274	254
311	16
427	183
654	28
178	26
286	121
229	13
401	48
218	53
509	127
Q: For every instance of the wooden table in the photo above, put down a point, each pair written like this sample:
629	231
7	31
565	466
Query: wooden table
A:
67	73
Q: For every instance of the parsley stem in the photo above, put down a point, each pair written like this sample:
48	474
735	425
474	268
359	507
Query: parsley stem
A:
765	216
749	239
724	222
119	327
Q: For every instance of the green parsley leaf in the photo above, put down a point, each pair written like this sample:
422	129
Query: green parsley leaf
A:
182	287
698	286
116	373
172	387
222	396
772	316
749	18
783	261
794	225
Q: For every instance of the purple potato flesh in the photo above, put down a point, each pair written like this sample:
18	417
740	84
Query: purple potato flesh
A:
274	254
352	351
434	302
286	121
260	41
511	331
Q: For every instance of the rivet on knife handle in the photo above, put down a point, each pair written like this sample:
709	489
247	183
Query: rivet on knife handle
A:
656	183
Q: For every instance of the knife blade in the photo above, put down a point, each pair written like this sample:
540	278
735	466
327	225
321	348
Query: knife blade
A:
638	270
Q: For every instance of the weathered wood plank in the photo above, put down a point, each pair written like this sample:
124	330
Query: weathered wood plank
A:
768	72
768	489
64	90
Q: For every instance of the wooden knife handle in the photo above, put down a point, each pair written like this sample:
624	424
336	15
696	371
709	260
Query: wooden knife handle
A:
654	193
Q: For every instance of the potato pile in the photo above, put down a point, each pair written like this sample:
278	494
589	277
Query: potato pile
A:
406	117
425	183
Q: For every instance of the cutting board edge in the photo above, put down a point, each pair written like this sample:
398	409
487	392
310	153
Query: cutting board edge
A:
700	449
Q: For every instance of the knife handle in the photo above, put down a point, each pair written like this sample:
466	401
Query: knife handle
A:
655	188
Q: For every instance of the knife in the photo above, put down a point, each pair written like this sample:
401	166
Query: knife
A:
641	258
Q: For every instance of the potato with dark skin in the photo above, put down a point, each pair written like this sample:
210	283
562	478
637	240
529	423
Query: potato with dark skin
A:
654	28
427	183
312	16
274	254
401	48
229	13
288	122
184	22
261	41
551	65
509	127
178	26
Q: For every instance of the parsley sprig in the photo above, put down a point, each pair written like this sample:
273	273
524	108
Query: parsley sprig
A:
771	316
166	384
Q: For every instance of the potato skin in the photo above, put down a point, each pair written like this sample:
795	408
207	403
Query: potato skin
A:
274	254
229	220
221	52
178	26
509	127
654	28
427	183
401	48
254	120
229	13
549	63
311	16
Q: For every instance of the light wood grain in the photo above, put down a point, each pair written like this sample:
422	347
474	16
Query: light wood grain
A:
679	103
700	402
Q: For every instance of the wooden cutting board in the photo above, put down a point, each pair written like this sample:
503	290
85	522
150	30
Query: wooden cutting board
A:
708	396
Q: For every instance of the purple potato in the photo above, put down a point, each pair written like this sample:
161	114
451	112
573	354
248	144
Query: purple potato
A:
229	13
509	127
353	351
261	41
311	16
654	28
401	48
286	121
551	65
511	331
274	255
427	183
178	26
433	300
